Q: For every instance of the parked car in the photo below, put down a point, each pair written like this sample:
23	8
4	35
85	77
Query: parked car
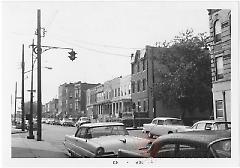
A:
44	120
82	120
67	122
56	122
101	140
164	125
192	144
211	125
19	124
50	121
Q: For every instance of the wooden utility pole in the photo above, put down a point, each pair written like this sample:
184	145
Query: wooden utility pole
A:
15	109
39	89
23	112
31	136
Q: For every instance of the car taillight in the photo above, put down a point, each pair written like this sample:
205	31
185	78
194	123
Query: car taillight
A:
100	151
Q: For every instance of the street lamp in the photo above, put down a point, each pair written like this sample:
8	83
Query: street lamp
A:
39	49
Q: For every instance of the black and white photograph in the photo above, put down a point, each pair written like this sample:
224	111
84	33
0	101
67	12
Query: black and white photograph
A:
120	83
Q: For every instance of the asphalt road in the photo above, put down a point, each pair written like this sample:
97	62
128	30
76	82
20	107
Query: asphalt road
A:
55	134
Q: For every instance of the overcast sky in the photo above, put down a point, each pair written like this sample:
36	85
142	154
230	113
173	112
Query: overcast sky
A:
104	34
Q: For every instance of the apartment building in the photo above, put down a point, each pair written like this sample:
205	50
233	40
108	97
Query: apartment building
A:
220	51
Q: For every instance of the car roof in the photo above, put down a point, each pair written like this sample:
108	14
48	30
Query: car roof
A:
195	137
166	118
212	121
101	124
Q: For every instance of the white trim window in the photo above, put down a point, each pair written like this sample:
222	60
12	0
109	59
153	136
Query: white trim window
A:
219	68
217	31
219	109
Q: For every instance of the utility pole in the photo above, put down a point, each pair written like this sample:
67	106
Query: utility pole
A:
23	113
31	136
15	110
39	89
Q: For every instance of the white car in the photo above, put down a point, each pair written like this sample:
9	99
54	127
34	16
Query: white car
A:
211	125
102	140
82	120
165	125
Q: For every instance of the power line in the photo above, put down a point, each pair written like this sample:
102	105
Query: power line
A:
102	45
91	49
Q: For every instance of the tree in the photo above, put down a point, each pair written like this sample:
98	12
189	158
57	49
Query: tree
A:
187	80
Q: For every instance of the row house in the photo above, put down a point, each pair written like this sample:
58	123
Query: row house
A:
110	100
72	99
220	52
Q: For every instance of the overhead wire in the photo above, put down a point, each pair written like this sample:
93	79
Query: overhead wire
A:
102	45
95	50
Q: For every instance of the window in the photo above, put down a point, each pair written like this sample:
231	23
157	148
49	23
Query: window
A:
219	108
139	106
133	69
160	122
180	150
76	93
70	106
118	91
144	84
138	66
138	86
81	133
129	89
201	126
217	31
144	64
76	105
133	87
144	106
219	68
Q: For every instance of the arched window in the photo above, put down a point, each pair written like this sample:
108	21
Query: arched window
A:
217	31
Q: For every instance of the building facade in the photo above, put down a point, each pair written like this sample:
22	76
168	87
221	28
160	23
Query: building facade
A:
220	51
144	71
72	99
111	100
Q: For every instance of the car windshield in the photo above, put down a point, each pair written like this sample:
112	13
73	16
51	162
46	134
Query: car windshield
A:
173	122
222	148
107	130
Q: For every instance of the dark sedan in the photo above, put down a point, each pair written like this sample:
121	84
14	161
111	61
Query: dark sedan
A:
193	144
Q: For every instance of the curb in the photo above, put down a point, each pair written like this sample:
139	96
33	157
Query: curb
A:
17	132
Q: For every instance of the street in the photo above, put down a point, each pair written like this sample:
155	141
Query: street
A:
54	136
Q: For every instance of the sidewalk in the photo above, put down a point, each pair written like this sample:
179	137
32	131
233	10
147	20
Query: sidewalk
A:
31	148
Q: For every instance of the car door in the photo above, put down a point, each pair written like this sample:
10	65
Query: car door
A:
158	129
79	142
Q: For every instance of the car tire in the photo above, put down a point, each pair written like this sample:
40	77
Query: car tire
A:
170	132
71	154
150	135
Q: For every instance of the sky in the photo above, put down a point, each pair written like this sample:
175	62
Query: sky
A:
104	35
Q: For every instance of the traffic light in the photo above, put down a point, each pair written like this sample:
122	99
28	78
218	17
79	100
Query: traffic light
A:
72	55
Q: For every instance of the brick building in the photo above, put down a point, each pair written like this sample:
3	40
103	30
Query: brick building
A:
144	72
72	99
220	51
